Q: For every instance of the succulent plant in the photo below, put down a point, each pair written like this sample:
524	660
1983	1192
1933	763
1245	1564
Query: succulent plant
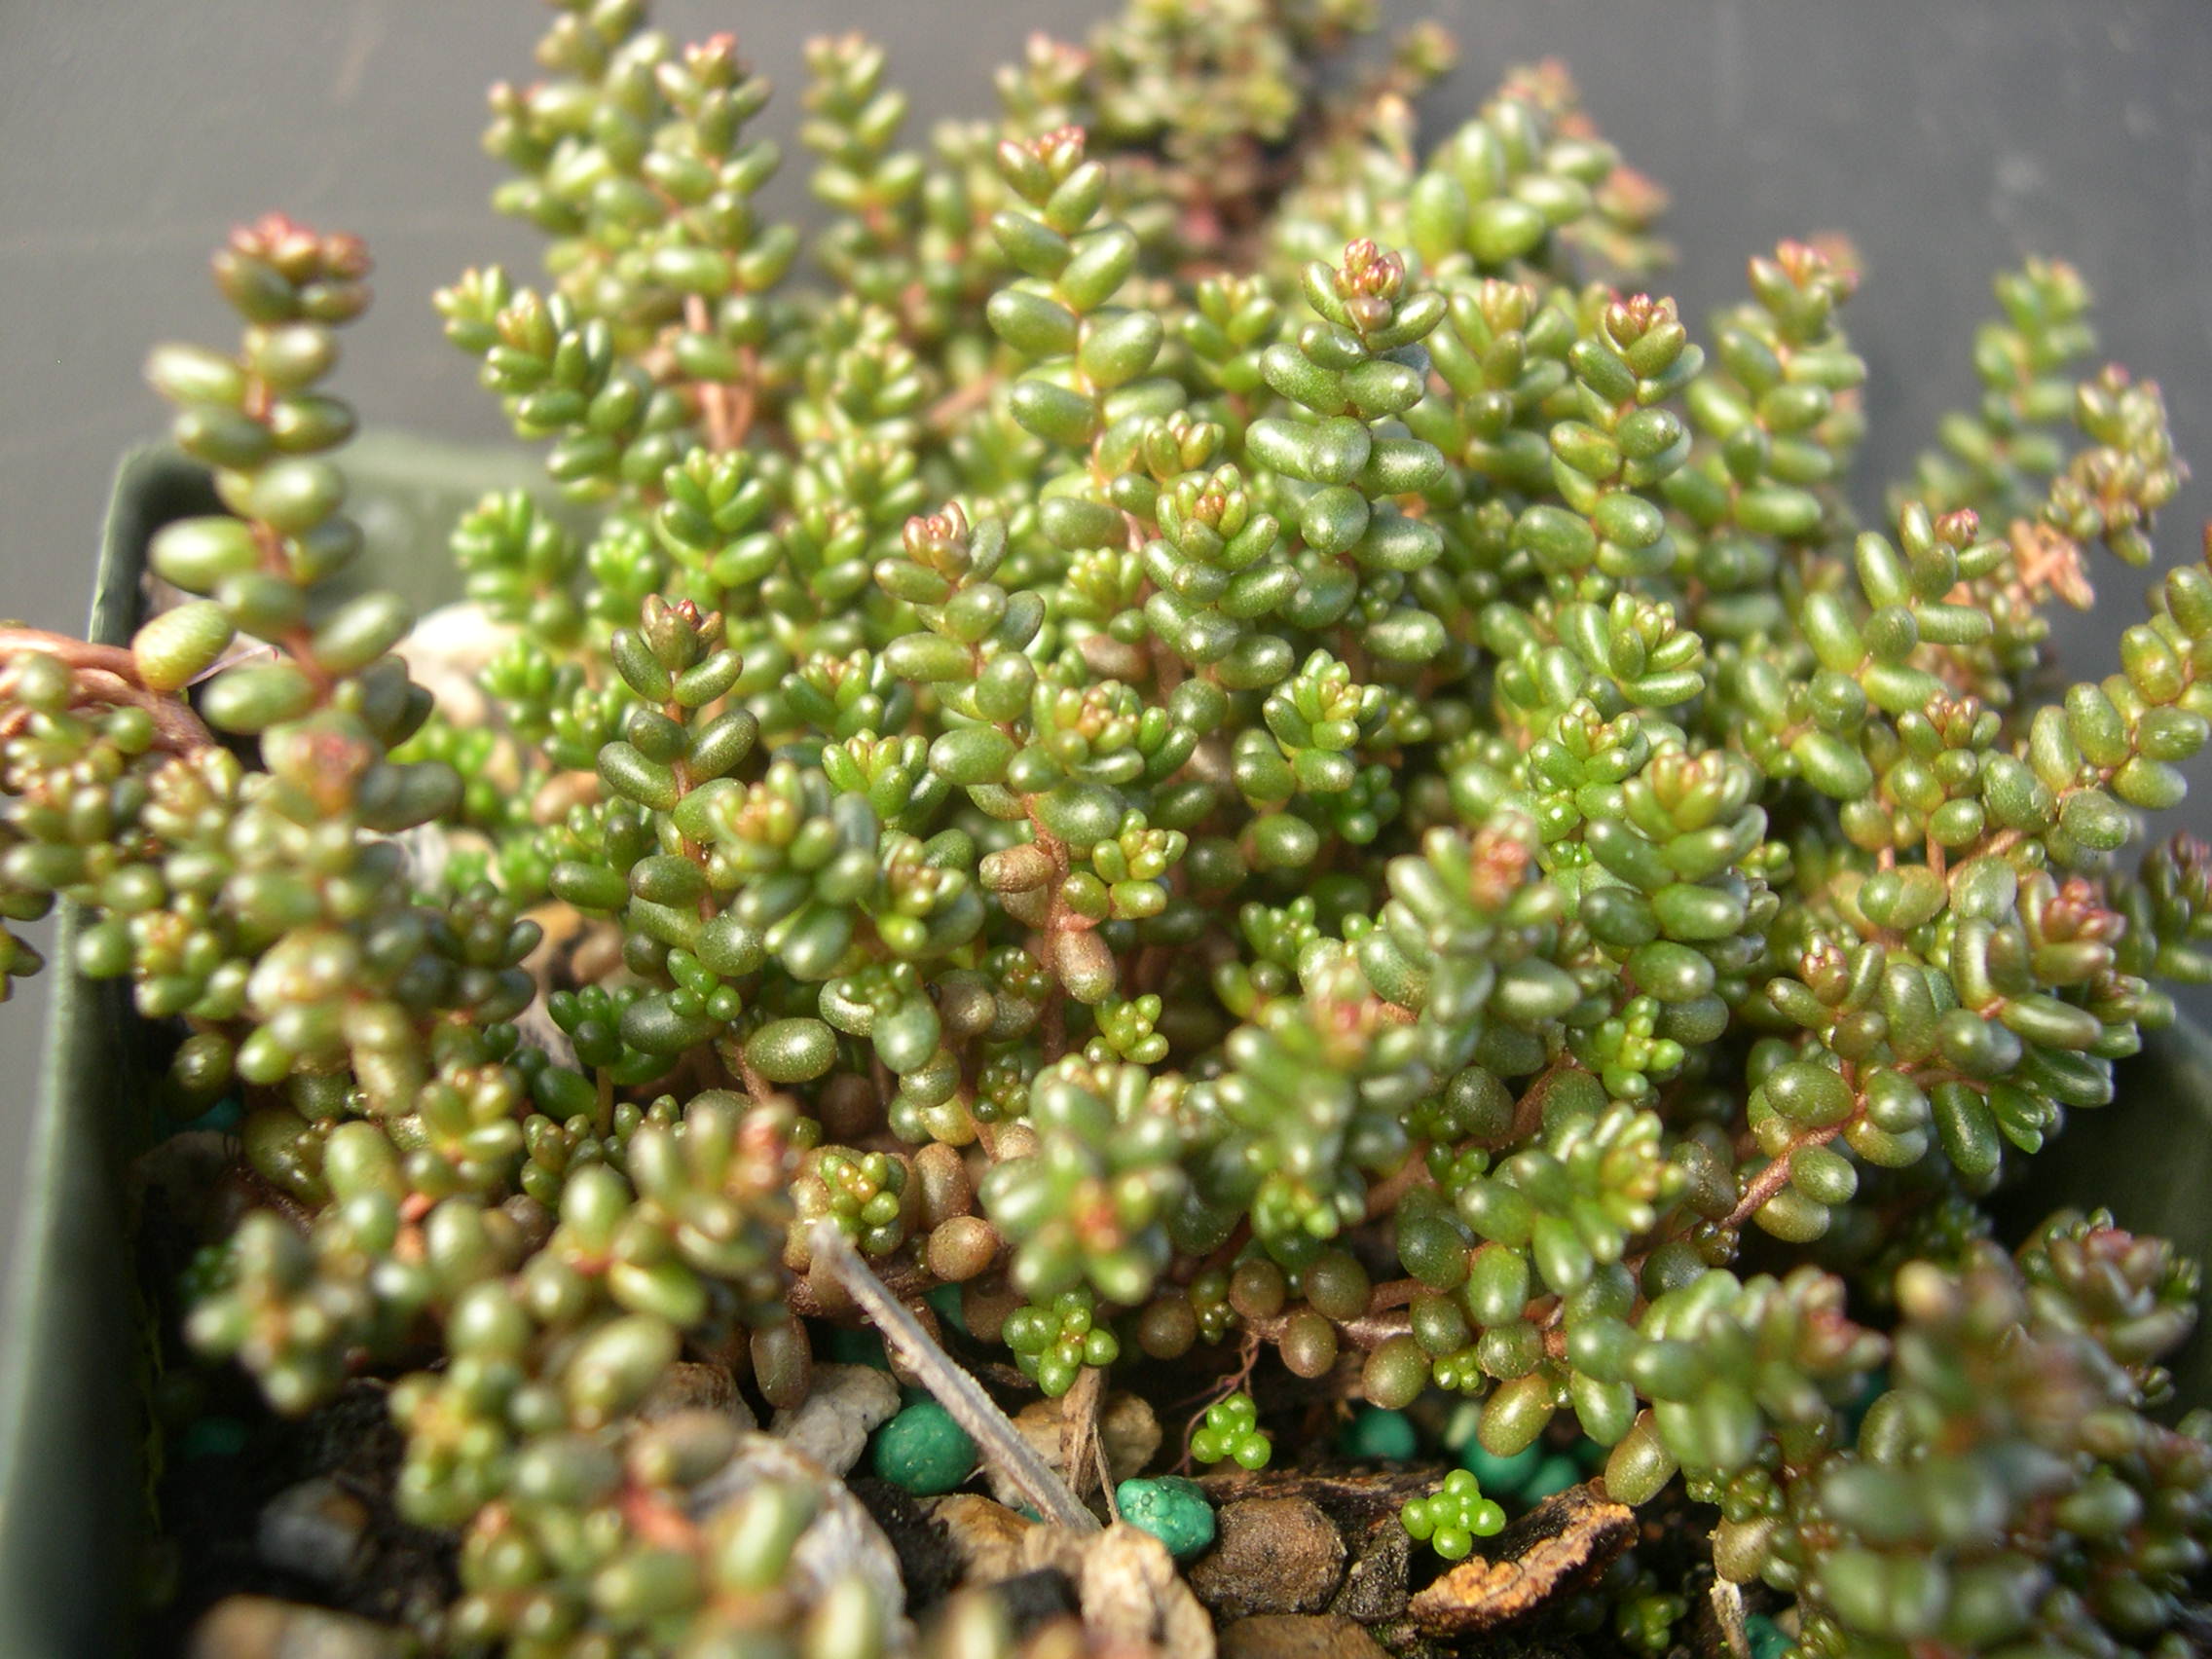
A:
1453	1515
1226	736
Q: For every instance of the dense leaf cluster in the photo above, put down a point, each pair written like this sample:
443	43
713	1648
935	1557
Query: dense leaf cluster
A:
1232	742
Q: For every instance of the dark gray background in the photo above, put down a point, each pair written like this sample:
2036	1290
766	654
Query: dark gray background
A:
1946	139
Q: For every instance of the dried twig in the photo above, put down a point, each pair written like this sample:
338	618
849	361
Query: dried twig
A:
955	1391
1728	1610
1078	1424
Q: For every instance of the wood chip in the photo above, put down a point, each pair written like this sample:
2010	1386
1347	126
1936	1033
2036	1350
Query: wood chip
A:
986	1536
1079	1426
1555	1546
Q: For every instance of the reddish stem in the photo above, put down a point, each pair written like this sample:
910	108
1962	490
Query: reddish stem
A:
109	673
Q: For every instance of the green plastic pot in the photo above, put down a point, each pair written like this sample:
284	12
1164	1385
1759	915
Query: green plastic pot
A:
77	1452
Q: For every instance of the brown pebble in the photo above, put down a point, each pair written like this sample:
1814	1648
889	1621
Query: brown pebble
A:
261	1627
315	1528
1272	1555
844	1405
1135	1602
1375	1584
1297	1636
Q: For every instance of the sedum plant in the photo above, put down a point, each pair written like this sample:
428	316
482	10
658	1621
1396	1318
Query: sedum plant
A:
1208	728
